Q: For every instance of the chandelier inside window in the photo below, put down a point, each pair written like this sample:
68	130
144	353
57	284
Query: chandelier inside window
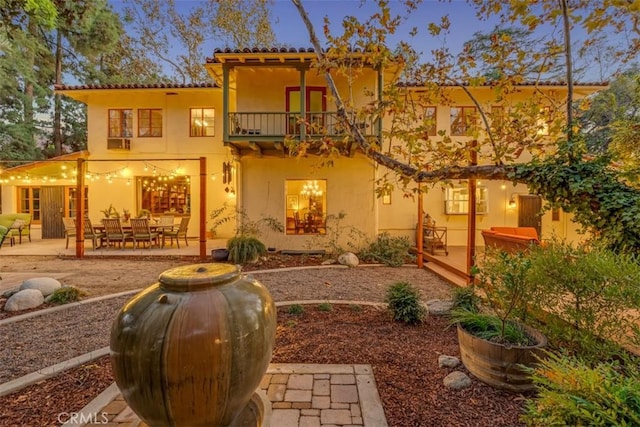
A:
311	189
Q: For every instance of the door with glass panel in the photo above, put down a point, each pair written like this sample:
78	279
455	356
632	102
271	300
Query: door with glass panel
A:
316	105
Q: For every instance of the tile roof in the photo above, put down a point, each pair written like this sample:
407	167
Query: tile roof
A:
137	86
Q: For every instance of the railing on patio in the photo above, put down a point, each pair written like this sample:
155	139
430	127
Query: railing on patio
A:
281	124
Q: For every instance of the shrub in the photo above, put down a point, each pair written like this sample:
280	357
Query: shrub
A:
404	303
325	306
572	393
466	299
388	250
591	292
295	309
244	249
65	295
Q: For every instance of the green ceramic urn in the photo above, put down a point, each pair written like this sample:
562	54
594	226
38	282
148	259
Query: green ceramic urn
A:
192	349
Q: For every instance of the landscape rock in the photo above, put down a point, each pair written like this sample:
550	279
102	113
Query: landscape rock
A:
457	380
445	361
46	285
439	307
329	262
24	300
349	259
7	294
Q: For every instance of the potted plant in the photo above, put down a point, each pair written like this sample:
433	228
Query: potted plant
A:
110	212
144	213
495	342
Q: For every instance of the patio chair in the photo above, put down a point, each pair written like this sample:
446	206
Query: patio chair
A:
141	232
69	229
115	233
180	232
91	233
166	222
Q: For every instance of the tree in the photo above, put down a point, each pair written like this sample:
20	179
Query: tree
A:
177	36
45	41
84	29
23	64
590	189
610	120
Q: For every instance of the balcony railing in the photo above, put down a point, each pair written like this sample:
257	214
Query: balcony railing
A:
280	124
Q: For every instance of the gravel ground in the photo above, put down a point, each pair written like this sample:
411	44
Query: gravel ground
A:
41	341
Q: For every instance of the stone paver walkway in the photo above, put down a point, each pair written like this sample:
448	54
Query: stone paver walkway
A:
300	395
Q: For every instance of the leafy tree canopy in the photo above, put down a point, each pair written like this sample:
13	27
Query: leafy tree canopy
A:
560	170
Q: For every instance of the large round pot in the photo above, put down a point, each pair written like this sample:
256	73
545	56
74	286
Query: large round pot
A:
191	349
499	365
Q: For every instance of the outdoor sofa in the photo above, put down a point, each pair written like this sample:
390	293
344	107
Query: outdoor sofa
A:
20	228
510	239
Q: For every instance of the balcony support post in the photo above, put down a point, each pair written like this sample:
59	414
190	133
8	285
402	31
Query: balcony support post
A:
303	102
225	102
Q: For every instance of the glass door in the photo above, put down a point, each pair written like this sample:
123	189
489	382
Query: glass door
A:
316	103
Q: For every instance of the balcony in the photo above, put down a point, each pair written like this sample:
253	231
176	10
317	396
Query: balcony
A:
265	132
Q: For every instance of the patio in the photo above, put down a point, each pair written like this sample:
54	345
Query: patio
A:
56	247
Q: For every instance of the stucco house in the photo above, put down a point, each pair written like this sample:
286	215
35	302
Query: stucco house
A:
146	145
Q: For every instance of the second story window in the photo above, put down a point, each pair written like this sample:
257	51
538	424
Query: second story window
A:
202	122
150	122
463	120
120	123
430	120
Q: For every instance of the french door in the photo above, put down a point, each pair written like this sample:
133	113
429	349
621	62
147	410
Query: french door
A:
315	102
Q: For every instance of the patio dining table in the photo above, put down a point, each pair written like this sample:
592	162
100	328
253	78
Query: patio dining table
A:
126	227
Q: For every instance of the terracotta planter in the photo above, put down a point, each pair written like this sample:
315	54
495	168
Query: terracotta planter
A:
497	364
192	349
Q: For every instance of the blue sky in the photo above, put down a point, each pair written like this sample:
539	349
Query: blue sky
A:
290	30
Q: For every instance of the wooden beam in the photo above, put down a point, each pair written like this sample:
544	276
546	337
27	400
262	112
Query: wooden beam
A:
255	147
203	208
80	208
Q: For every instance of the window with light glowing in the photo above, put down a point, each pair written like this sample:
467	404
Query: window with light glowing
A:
305	206
457	200
202	121
164	194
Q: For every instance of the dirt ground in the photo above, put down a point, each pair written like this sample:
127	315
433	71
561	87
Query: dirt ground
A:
109	275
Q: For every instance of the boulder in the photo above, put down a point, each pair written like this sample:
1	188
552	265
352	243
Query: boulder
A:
24	300
445	361
439	307
46	285
457	380
349	259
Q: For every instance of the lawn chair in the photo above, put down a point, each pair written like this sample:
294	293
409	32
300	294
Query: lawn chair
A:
92	233
180	232
115	233
69	229
142	232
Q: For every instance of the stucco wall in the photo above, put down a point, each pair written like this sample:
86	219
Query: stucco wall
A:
349	190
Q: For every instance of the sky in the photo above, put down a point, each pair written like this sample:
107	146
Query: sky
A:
290	30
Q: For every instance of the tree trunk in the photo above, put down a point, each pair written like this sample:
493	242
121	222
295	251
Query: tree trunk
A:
57	107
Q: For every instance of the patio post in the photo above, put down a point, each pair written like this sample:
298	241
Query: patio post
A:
471	218
419	231
80	208
203	208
